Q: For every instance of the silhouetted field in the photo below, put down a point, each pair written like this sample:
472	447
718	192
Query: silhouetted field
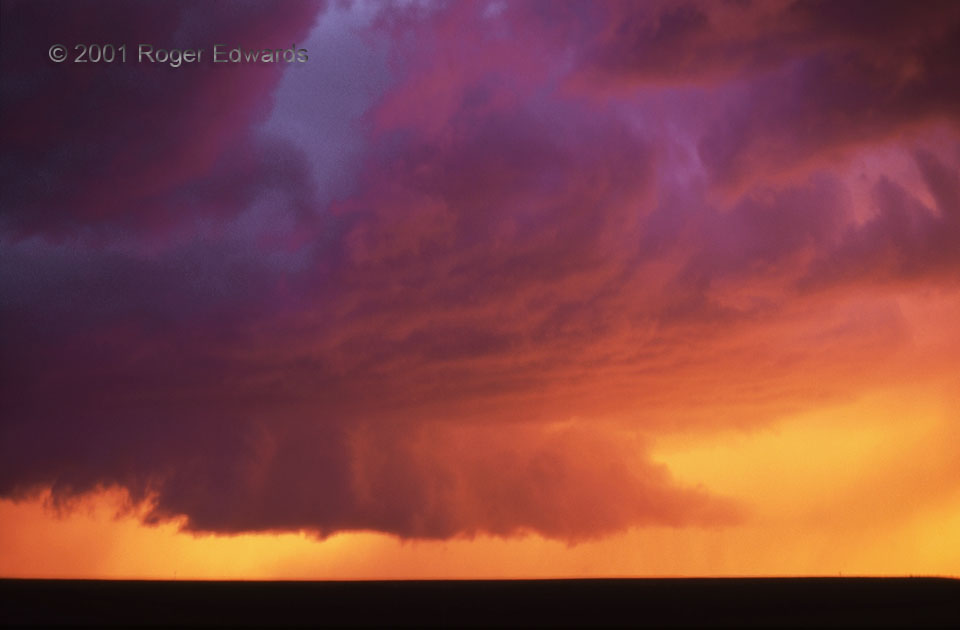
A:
841	602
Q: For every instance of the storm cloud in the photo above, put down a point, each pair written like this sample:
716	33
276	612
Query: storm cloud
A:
463	296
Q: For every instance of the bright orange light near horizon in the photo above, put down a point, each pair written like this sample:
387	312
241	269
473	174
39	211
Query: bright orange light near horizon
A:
826	493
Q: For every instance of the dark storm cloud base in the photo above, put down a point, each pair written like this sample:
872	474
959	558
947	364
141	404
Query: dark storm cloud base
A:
883	602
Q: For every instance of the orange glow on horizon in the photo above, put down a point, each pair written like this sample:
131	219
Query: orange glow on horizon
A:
825	495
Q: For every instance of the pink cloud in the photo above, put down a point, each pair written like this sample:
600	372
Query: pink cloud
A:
203	325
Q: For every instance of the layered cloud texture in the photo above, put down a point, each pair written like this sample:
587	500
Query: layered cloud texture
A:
456	273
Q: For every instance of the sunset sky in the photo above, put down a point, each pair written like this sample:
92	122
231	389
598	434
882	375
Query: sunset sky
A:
481	289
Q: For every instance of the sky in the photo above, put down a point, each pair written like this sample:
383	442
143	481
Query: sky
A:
481	289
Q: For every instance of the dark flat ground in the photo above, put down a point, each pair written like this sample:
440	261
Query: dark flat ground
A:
838	602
